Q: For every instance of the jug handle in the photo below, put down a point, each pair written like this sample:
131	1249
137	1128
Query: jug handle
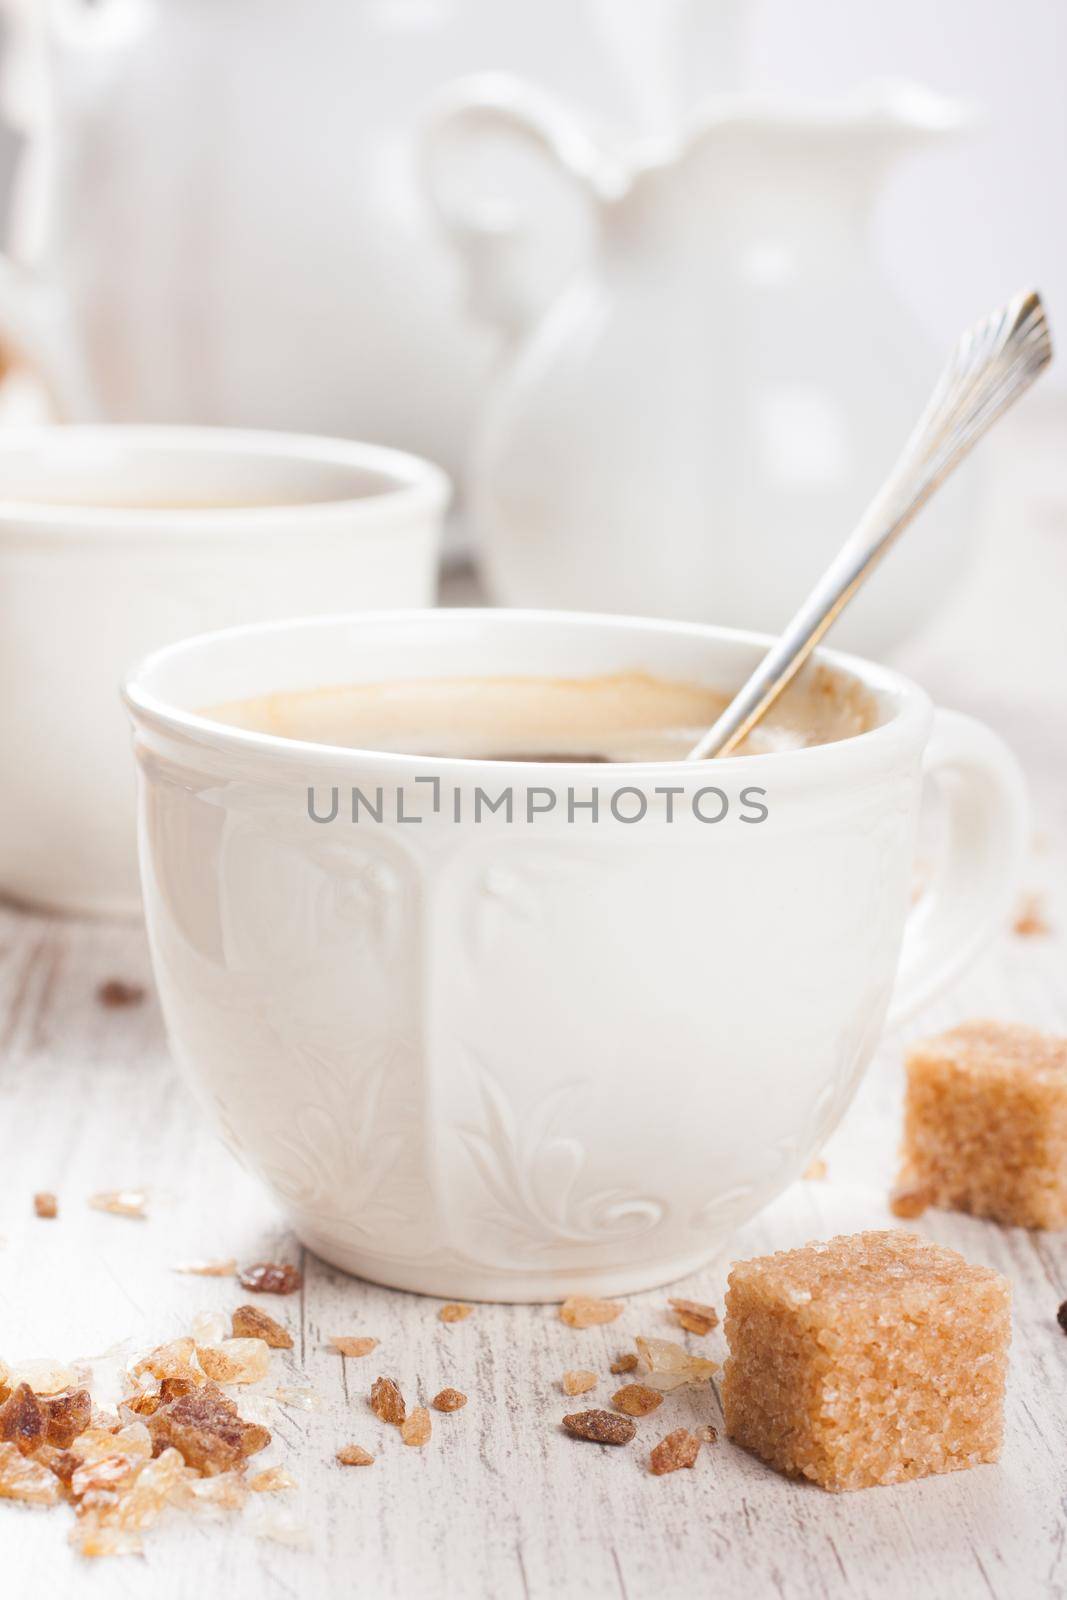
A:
484	232
36	332
35	336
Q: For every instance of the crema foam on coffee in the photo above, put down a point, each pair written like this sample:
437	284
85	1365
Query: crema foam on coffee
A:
627	716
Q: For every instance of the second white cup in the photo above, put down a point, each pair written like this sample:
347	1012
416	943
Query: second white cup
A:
114	541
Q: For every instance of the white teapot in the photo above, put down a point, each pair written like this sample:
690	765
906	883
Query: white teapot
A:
692	426
218	217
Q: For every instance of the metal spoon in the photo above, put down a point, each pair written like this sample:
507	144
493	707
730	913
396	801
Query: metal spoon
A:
993	364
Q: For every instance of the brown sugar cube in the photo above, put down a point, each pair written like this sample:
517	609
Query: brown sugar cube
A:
871	1358
45	1204
985	1124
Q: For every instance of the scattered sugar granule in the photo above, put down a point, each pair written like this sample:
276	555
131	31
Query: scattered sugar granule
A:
448	1400
636	1399
24	1479
226	1491
45	1204
209	1327
454	1313
249	1322
387	1402
43	1375
694	1316
235	1360
416	1426
29	1420
815	1171
107	1473
206	1429
121	1203
676	1450
271	1277
96	1443
625	1361
114	994
600	1427
176	1359
354	1455
299	1399
579	1381
271	1480
1030	920
585	1311
668	1365
207	1268
353	1344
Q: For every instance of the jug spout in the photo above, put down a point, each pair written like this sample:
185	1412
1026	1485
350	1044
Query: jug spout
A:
885	118
772	164
904	114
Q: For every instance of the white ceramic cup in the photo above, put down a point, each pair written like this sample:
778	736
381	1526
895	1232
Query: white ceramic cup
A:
512	1060
116	540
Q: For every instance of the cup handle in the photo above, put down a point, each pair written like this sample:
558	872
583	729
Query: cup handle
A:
485	231
974	880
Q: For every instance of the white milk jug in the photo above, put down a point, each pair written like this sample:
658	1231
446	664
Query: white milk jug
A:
694	423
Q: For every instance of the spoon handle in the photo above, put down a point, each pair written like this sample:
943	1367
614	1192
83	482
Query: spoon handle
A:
993	364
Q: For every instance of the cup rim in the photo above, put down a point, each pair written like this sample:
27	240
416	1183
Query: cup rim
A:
907	722
414	485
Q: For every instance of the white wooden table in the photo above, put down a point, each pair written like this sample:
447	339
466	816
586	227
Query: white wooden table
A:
502	1503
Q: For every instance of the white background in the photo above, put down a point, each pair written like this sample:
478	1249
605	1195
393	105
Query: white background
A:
959	228
963	227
